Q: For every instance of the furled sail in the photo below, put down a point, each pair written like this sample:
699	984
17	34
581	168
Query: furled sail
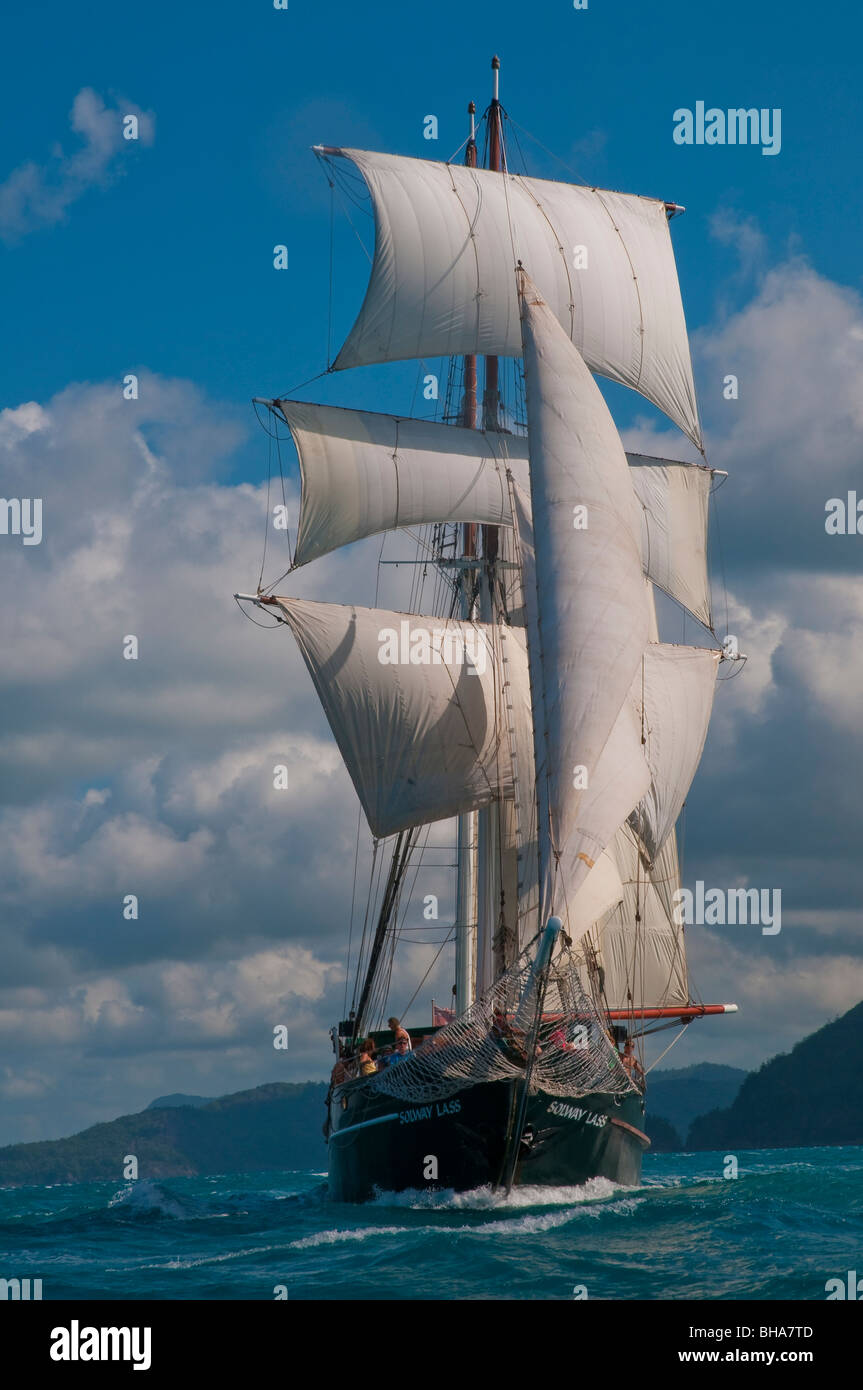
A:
587	609
413	703
447	239
365	472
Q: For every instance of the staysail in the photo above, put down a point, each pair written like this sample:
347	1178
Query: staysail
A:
588	613
447	238
673	701
638	943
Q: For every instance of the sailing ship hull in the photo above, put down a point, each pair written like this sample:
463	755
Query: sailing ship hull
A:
379	1143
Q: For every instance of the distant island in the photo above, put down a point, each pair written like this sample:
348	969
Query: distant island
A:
678	1095
171	1102
273	1126
810	1096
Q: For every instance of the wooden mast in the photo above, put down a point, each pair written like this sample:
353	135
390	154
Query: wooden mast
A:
490	955
466	874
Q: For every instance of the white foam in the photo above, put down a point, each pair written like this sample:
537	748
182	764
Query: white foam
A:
485	1199
216	1259
362	1233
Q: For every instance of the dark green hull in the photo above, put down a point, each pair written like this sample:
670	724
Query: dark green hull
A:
378	1143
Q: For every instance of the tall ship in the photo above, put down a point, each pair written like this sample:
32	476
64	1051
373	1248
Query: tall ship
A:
528	703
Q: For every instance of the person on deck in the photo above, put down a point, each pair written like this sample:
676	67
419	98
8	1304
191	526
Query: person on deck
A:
400	1032
632	1064
400	1050
368	1066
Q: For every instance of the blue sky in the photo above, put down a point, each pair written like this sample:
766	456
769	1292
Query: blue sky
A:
172	266
156	258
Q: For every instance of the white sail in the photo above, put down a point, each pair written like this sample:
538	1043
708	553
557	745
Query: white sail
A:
669	704
643	955
447	239
601	891
673	700
413	704
365	472
674	501
588	610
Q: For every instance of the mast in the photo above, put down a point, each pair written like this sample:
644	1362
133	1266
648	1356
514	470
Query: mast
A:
466	882
489	962
468	413
490	394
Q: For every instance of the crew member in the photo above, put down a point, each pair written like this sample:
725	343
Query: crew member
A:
399	1032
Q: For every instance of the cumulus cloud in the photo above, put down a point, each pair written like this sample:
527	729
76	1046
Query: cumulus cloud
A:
38	195
745	236
154	777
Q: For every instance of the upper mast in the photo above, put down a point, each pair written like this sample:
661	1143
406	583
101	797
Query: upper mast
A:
490	956
466	878
496	164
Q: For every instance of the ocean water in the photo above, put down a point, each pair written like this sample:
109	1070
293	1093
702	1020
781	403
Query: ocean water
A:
790	1221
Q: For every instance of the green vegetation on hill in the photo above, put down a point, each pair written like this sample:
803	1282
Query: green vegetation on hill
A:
811	1095
679	1094
274	1126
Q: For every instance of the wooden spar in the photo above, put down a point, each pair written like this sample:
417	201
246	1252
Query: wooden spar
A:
491	390
683	1011
466	856
489	823
469	403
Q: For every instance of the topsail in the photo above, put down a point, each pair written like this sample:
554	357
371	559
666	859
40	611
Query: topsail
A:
365	472
447	239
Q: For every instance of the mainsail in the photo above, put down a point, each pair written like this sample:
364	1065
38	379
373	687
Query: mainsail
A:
415	706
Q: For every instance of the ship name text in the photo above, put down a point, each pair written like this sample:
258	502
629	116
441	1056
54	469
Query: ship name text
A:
425	1112
577	1112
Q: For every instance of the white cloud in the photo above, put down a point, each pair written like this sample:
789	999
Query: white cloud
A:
38	195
